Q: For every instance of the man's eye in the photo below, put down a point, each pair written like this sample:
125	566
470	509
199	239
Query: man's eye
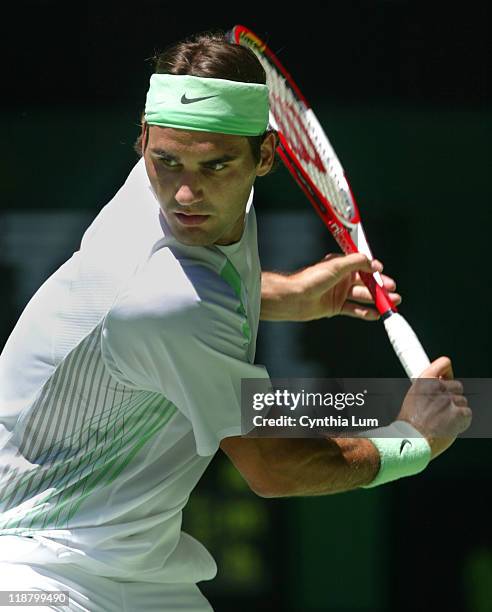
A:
170	163
217	167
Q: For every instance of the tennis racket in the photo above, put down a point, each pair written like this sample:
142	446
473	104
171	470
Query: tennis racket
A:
306	151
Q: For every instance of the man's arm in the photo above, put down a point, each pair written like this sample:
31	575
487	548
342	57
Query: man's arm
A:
280	297
279	467
328	288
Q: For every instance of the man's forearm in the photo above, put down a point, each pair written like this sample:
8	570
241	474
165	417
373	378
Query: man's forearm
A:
284	467
321	467
278	297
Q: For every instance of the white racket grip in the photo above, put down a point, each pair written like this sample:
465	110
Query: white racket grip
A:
406	344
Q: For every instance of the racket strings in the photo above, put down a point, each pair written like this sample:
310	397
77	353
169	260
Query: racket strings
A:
336	188
305	137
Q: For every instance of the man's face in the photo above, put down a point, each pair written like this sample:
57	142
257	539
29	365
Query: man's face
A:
202	181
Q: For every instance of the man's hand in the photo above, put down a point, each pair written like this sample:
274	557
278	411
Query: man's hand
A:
329	288
437	408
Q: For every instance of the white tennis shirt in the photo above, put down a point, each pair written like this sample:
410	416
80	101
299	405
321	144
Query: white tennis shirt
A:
117	384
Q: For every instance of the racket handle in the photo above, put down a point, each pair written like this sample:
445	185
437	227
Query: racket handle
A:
379	294
406	344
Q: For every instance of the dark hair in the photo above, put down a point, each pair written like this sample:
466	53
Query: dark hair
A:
210	54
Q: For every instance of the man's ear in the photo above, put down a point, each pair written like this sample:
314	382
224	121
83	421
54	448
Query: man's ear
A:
268	147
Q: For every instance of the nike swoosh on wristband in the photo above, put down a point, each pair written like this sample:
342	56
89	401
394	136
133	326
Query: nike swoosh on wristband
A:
185	100
403	444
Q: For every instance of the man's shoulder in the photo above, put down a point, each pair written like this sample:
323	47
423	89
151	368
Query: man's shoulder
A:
182	288
171	304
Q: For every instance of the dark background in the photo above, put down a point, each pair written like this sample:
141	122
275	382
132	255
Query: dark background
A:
403	90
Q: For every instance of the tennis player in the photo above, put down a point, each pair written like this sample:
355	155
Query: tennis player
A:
122	377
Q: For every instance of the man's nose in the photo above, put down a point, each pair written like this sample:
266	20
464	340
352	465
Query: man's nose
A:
188	191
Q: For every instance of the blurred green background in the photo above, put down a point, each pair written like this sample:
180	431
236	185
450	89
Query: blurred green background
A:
403	91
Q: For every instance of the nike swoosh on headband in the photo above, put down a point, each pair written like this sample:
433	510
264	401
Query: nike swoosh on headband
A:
185	100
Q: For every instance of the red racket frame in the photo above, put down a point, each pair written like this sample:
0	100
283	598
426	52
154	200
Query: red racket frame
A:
320	203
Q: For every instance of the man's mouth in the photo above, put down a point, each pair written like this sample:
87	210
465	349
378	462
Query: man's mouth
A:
187	219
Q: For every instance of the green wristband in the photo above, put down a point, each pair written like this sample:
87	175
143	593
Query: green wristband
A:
403	452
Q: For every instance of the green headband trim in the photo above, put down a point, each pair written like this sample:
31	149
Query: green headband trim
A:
208	105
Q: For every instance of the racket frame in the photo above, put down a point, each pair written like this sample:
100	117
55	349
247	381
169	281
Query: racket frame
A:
349	234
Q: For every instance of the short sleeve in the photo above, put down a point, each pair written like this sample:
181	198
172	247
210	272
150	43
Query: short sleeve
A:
177	329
